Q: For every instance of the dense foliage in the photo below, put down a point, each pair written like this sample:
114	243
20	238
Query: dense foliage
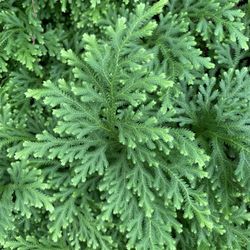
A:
124	124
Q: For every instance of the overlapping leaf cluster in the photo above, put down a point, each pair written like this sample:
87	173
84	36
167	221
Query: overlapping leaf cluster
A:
124	124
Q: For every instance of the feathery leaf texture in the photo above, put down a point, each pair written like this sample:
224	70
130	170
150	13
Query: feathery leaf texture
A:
124	125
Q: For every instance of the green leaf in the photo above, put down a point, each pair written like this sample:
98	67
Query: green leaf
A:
28	187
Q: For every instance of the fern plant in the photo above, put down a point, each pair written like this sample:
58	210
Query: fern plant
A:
124	125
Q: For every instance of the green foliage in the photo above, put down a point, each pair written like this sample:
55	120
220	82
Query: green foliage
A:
214	20
124	125
176	46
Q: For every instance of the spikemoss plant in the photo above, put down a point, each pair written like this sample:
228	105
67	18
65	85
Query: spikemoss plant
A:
124	125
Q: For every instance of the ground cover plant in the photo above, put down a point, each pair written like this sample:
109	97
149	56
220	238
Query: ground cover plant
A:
124	124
